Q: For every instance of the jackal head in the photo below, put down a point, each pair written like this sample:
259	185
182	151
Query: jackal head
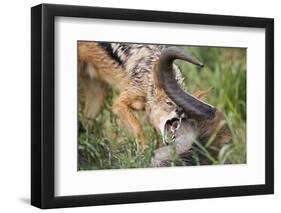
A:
171	103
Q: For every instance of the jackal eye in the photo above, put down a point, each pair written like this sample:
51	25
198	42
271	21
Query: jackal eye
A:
169	103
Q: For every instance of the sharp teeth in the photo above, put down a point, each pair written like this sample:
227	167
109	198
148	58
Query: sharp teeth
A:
180	121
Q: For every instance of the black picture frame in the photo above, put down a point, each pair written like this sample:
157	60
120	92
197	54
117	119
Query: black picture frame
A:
43	102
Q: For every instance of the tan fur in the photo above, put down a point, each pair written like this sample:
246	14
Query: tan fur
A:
106	70
99	70
104	67
201	94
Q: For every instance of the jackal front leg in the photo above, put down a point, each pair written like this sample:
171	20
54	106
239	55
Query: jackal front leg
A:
123	107
94	93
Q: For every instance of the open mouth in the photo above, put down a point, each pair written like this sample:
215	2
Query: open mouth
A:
170	128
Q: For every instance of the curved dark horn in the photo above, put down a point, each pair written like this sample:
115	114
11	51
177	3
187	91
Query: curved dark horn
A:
191	105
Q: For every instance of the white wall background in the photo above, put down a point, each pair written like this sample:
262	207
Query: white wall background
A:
15	105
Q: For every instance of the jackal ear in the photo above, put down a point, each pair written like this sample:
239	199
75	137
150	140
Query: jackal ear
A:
202	94
156	76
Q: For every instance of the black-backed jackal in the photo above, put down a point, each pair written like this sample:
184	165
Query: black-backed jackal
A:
148	80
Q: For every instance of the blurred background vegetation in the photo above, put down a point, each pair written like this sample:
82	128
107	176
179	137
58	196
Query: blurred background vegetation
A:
108	145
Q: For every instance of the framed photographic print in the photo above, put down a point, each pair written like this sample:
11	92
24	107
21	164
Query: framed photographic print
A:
139	106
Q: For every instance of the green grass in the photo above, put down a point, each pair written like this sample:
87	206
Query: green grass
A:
109	146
